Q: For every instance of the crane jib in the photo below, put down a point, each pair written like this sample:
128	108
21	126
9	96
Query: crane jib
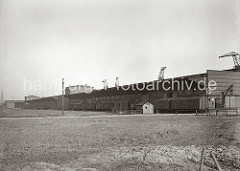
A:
235	56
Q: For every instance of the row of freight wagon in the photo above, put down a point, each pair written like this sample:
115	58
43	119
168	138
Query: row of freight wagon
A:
169	104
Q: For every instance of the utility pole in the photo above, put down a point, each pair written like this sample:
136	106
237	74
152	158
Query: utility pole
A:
62	96
2	97
1	102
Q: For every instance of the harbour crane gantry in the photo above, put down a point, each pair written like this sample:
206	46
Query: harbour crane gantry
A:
236	58
161	74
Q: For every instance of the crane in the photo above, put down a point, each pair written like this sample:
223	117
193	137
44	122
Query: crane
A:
235	56
229	89
161	74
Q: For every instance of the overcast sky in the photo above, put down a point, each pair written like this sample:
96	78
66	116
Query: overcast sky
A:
86	41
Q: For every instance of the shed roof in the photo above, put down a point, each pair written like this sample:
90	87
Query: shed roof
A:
13	101
142	103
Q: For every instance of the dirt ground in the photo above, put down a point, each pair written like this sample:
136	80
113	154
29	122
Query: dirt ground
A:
18	113
92	142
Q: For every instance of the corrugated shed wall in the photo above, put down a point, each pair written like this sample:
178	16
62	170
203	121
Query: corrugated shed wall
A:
224	79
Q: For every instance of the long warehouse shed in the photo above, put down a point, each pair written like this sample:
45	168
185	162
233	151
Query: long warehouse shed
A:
209	90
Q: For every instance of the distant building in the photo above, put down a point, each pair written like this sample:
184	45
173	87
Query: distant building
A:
45	103
31	97
211	90
78	89
14	104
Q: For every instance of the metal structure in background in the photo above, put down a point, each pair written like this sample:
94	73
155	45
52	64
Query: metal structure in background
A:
235	56
117	82
161	74
224	95
105	84
63	96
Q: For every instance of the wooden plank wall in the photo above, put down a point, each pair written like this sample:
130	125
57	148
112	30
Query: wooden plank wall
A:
224	79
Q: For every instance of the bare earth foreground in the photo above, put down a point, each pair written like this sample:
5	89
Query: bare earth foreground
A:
89	141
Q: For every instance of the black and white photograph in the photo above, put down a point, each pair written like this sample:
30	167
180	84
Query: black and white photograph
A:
119	85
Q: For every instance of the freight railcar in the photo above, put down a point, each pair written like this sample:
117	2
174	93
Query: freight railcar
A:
184	104
189	103
160	105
